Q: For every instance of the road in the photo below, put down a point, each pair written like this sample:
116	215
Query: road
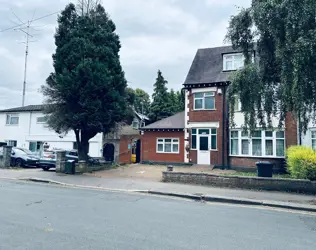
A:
36	216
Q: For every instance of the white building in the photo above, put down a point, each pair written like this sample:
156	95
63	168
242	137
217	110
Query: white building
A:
26	127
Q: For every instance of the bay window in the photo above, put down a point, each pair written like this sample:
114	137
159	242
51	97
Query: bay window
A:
259	144
204	101
167	145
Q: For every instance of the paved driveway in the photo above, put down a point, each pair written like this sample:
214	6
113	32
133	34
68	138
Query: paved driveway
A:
152	172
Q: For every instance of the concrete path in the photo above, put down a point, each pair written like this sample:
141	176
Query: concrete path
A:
132	184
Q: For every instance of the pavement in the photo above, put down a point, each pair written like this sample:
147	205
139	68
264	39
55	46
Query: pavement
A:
100	180
47	217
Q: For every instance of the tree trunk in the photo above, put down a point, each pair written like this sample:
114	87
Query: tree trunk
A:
82	138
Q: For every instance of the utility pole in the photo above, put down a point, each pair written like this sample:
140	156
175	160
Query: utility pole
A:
21	27
25	63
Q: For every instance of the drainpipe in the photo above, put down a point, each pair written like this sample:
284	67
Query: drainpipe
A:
223	125
227	135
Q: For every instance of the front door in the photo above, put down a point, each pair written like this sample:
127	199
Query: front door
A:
204	154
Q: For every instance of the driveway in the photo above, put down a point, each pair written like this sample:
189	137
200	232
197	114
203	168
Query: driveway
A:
152	172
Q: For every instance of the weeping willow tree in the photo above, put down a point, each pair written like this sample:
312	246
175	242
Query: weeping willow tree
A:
283	77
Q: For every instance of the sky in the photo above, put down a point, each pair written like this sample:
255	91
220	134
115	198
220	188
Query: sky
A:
155	34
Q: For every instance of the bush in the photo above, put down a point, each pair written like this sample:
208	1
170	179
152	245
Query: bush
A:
301	162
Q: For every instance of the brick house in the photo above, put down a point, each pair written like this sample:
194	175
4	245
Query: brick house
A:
207	136
163	141
123	141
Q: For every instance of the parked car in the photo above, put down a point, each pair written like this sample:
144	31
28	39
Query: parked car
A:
22	157
48	160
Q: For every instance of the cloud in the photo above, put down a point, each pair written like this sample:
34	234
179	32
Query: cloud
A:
155	34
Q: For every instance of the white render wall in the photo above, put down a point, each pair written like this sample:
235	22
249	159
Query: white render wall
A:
239	120
29	130
307	138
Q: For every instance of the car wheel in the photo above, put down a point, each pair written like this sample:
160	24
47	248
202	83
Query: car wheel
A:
45	168
19	163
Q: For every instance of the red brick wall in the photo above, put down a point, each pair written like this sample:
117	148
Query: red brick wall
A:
250	161
149	140
290	130
125	153
205	115
208	116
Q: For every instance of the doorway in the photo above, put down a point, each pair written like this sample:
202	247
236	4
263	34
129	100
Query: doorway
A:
138	151
108	152
203	154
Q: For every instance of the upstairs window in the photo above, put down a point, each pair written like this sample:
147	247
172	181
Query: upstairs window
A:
12	119
233	61
204	101
42	119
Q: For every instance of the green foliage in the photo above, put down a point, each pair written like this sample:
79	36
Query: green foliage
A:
284	32
165	103
160	106
88	87
301	162
142	101
130	96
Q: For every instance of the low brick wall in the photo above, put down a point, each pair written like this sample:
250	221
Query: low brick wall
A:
271	184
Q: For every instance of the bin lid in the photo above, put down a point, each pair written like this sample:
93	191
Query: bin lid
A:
264	163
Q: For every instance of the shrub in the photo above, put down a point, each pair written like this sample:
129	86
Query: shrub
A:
301	162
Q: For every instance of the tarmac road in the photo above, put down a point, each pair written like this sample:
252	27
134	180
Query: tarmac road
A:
36	216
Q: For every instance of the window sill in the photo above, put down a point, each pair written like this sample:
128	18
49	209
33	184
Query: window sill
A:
203	110
251	156
214	150
173	153
14	125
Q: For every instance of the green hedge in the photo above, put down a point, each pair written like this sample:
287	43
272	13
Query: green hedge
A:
301	162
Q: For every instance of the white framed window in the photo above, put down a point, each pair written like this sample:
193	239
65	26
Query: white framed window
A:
244	143
313	135
204	101
280	143
167	145
234	149
12	119
258	144
41	119
193	138
233	61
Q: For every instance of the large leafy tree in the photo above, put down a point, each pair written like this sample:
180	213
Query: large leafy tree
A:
87	90
142	101
283	33
160	106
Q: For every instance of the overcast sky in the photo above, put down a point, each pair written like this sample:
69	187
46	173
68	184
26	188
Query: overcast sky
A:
155	34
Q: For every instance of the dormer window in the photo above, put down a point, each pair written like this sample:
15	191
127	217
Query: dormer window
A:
233	61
